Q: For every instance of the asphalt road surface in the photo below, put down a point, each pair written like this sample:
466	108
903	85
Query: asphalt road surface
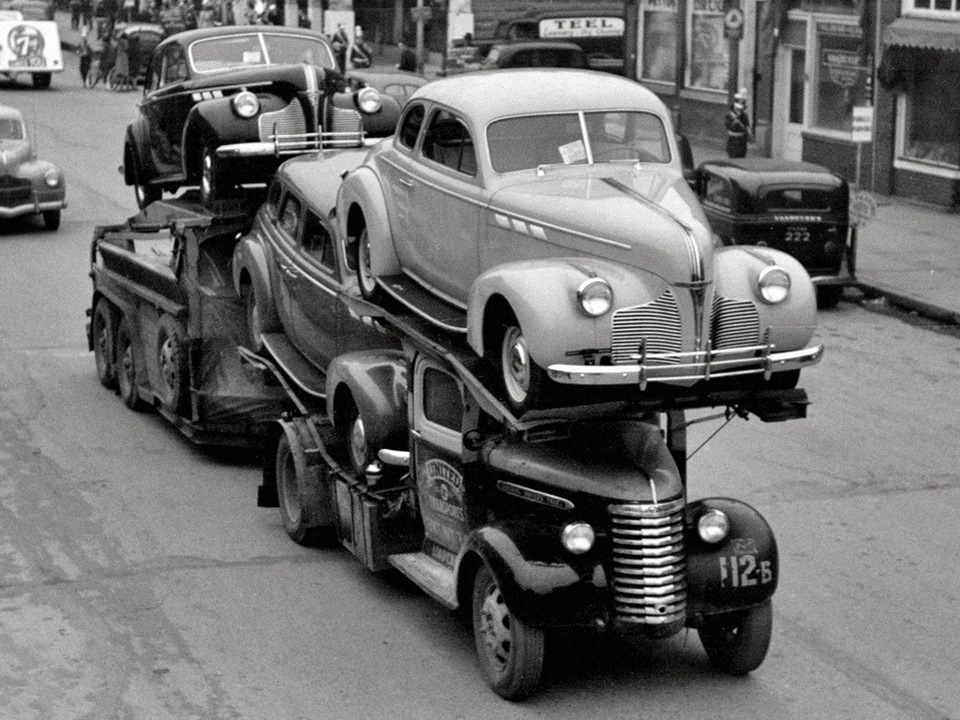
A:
139	581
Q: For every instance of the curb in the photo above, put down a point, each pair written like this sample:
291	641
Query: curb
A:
908	302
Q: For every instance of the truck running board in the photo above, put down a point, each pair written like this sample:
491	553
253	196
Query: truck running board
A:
432	577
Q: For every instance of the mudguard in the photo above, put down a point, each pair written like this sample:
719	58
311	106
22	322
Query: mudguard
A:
530	285
740	572
133	146
377	382
543	585
250	261
361	203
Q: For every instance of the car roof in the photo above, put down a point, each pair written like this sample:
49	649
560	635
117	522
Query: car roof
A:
188	36
529	91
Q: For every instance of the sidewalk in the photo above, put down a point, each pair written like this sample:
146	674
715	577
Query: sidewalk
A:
908	253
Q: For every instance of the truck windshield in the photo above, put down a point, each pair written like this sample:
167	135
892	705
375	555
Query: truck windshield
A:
522	143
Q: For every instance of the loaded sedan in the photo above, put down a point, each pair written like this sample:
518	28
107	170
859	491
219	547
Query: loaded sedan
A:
224	106
544	215
28	185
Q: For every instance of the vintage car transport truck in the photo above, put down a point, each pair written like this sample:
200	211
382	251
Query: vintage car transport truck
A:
568	518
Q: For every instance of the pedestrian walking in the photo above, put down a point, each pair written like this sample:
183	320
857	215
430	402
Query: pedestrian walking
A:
74	14
341	41
86	55
738	126
360	54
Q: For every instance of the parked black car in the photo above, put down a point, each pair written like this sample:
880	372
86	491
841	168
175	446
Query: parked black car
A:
797	207
224	106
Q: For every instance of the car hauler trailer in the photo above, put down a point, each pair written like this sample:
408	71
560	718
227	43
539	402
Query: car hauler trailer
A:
564	518
165	322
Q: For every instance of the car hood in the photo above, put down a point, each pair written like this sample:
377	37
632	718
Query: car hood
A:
13	153
642	216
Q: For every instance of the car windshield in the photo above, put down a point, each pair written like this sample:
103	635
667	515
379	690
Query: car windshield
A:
522	143
11	129
222	53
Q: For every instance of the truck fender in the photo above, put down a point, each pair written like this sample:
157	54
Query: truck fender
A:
376	382
542	584
523	286
316	490
251	268
738	573
361	203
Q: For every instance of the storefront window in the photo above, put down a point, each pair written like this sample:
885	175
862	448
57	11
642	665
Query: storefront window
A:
841	81
932	129
709	50
659	40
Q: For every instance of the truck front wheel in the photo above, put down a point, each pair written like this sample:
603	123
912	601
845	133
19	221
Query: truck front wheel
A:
511	652
738	645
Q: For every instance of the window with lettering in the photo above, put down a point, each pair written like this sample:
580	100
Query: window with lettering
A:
659	52
709	50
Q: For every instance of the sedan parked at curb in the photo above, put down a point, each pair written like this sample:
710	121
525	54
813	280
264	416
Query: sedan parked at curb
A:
544	215
28	185
224	106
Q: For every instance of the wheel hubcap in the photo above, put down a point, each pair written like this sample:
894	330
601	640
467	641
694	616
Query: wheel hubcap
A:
206	180
495	628
358	444
168	363
516	364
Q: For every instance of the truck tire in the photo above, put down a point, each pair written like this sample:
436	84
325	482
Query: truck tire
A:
101	331
299	495
525	383
173	362
41	80
828	296
127	370
511	652
738	645
51	220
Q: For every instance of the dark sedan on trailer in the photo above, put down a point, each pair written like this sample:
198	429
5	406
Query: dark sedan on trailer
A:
224	106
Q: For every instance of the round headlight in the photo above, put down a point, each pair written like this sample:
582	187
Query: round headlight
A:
578	537
52	178
246	104
368	100
595	297
713	526
774	284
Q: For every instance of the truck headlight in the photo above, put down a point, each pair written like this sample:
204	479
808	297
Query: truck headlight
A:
52	178
595	297
774	284
246	104
713	526
368	100
578	537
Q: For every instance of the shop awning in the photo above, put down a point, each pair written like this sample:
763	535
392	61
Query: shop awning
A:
923	33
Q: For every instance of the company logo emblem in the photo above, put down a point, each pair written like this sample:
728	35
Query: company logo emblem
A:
27	44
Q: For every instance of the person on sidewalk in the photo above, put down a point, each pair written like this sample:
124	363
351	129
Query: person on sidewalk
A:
86	56
341	42
738	126
360	54
408	58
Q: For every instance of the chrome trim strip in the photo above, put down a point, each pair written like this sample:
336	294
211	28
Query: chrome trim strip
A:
536	496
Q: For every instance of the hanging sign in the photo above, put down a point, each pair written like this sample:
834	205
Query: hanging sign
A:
862	124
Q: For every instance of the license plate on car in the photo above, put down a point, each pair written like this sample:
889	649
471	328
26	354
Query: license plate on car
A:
797	234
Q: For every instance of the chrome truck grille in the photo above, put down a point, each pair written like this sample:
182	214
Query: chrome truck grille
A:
734	323
655	325
649	569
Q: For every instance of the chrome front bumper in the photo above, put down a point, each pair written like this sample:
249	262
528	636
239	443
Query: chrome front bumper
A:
292	144
31	208
687	368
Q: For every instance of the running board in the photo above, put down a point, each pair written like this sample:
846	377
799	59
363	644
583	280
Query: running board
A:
435	579
425	304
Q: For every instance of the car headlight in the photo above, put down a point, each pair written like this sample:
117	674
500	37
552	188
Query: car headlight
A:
52	178
595	297
713	526
774	284
578	537
368	100
246	104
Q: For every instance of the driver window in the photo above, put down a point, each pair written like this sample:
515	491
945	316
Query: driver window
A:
289	214
448	142
174	66
410	127
442	403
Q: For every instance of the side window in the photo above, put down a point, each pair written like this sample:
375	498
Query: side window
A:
289	214
174	65
717	191
410	127
273	198
442	403
318	243
448	142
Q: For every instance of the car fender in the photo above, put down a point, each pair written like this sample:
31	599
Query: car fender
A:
789	325
133	148
740	572
528	285
377	382
251	263
542	584
361	202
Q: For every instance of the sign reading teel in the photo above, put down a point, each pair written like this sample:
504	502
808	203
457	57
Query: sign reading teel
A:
574	27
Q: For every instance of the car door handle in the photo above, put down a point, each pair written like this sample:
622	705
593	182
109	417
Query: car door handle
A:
406	183
289	270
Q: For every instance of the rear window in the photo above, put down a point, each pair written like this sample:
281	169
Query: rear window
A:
800	199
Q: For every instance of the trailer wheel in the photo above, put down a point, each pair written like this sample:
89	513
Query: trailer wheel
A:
127	369
511	652
103	342
173	361
738	645
293	497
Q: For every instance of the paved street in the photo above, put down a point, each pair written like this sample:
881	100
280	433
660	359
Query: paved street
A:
139	581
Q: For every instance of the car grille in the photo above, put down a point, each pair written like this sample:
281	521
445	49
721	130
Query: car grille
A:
656	325
735	323
14	191
289	121
649	568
